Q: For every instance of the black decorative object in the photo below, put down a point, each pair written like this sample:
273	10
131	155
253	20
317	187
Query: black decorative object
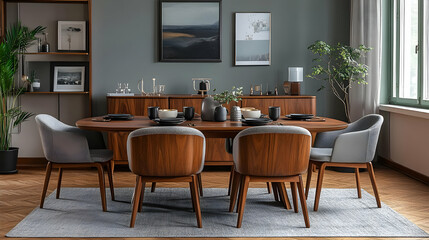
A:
274	113
45	46
188	112
152	112
220	114
190	31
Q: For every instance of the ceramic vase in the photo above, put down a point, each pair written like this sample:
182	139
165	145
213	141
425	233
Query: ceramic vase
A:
220	114
235	114
208	108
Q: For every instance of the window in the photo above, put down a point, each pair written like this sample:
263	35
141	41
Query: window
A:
410	84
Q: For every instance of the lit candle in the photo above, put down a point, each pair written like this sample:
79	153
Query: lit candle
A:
154	86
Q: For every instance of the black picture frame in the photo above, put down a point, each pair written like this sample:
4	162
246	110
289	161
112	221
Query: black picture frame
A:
207	47
86	37
70	64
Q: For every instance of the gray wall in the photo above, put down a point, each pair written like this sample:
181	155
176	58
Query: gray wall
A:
125	47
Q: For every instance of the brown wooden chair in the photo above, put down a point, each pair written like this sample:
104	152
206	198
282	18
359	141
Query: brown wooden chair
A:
275	154
166	154
65	146
228	149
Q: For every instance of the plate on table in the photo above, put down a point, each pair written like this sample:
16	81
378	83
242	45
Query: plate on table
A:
256	121
297	116
169	121
119	116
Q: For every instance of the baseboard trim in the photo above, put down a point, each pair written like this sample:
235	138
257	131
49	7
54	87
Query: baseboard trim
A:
31	162
404	170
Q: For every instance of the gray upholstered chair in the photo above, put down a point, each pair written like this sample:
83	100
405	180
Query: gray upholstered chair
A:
65	146
275	154
166	154
353	147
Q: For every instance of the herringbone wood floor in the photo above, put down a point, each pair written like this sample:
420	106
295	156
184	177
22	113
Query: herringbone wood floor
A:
20	193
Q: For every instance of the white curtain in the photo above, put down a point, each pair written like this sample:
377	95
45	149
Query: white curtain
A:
365	28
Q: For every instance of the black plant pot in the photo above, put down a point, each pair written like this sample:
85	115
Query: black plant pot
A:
8	160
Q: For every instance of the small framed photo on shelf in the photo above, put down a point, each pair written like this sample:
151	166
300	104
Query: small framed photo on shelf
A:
72	36
252	39
69	76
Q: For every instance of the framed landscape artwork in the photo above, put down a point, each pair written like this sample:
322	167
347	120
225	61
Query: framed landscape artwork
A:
72	36
190	31
252	39
69	77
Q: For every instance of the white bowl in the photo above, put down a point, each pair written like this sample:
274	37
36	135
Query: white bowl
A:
167	113
254	113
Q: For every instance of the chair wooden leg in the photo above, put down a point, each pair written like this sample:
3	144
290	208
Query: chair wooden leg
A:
142	196
283	195
358	183
102	187
303	202
308	182
319	186
152	189
269	187
374	184
275	191
112	166
240	193
45	185
231	177
192	195
110	177
244	188
200	184
196	198
137	194
294	196
234	191
60	177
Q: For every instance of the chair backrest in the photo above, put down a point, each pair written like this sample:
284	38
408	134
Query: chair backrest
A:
272	151
166	151
359	142
371	121
62	143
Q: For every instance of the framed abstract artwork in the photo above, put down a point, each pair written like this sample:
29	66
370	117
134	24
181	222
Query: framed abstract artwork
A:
190	31
252	39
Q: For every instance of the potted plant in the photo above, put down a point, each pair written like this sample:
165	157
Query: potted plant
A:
15	42
339	66
226	97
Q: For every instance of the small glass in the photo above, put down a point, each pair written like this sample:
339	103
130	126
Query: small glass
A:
161	89
119	89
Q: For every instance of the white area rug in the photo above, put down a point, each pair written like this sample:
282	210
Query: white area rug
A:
168	213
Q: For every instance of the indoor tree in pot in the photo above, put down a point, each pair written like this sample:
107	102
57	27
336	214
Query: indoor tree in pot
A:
339	66
14	43
226	96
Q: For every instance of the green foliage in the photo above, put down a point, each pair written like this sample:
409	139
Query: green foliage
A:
338	65
229	96
17	39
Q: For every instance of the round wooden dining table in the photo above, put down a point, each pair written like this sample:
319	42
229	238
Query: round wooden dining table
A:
227	129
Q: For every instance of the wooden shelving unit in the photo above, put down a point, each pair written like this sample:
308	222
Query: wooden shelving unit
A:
58	53
49	18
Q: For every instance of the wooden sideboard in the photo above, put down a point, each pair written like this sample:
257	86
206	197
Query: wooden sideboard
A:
215	151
